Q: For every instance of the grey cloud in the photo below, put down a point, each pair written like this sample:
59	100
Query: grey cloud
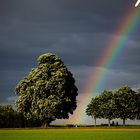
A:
76	30
116	79
8	80
12	99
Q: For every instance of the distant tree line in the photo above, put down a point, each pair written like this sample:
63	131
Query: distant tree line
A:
123	103
10	118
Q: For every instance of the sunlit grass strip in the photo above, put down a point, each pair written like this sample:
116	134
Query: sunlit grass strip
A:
68	134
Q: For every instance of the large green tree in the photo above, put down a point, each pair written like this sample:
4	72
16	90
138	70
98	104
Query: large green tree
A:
126	103
48	92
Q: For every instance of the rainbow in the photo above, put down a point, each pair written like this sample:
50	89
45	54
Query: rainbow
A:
114	47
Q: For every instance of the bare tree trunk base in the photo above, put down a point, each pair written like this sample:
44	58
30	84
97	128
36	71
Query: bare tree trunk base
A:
44	125
109	122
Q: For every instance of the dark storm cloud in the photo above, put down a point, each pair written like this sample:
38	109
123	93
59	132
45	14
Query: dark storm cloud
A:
76	30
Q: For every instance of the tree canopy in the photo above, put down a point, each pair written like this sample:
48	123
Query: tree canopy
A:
108	105
102	106
126	103
93	109
6	116
48	92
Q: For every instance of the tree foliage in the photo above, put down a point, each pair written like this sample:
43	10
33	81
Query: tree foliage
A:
48	92
108	105
6	116
126	103
10	118
93	109
102	106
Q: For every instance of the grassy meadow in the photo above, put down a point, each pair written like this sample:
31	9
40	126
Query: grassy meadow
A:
70	134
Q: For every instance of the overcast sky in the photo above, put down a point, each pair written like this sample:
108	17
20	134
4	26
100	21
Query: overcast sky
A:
75	30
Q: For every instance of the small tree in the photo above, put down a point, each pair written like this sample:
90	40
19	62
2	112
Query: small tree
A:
126	103
93	109
48	92
108	106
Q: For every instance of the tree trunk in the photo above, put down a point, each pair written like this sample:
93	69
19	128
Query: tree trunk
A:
45	125
94	122
109	122
123	122
42	125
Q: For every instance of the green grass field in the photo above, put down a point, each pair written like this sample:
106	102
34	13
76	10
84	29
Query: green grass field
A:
69	134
